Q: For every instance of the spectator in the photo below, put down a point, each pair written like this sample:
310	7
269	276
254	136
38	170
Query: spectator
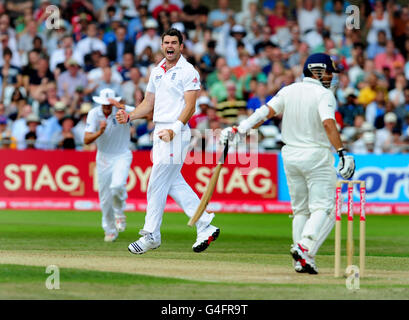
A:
90	43
96	74
7	141
11	76
219	16
261	97
59	55
128	62
64	137
218	90
79	129
194	13
396	95
39	76
350	109
203	102
166	7
335	21
116	49
32	132
403	109
107	82
231	108
308	13
379	19
369	92
52	125
249	16
384	137
279	18
7	42
70	80
149	38
129	87
389	58
377	107
377	47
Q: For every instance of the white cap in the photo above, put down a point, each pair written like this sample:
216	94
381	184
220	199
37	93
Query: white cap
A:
104	95
204	100
368	137
179	26
390	117
366	126
150	24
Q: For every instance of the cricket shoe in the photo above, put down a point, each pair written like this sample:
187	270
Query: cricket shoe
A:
110	237
204	238
301	254
298	267
145	243
120	224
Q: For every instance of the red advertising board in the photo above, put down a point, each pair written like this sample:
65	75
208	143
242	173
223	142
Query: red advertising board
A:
67	179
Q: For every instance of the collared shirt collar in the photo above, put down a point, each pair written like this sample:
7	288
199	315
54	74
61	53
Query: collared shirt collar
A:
311	80
178	65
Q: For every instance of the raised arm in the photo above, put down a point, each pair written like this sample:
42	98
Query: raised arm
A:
143	109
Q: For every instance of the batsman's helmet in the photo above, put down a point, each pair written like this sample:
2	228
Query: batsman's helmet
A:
316	64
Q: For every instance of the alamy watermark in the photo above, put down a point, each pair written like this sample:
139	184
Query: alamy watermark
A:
352	281
53	281
352	20
53	21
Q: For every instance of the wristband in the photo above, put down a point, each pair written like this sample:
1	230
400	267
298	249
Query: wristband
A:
129	118
177	127
340	152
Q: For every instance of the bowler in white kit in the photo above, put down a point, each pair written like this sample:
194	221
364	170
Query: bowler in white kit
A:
113	160
308	131
171	94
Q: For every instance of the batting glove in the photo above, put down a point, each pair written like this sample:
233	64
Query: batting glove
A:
346	164
230	135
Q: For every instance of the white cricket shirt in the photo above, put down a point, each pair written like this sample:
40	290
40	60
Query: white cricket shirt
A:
115	138
169	88
304	105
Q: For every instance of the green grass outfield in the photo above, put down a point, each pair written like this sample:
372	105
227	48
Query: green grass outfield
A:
250	260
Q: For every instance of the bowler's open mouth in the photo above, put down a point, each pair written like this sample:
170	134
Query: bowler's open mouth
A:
170	52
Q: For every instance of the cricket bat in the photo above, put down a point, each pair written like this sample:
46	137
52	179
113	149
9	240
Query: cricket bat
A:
210	188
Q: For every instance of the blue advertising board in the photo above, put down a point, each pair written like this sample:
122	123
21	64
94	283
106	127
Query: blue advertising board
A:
386	177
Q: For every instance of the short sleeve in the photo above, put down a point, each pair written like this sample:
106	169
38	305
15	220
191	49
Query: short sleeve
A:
91	124
151	86
277	102
326	107
191	80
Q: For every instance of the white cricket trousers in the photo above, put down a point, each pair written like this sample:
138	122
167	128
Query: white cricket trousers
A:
311	179
166	179
112	171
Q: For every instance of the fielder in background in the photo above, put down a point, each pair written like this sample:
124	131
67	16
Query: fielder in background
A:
308	131
113	160
171	94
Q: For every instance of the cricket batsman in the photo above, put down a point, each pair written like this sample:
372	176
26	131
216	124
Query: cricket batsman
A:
308	131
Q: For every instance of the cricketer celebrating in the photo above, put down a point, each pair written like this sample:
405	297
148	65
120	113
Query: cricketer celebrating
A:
308	131
113	160
171	94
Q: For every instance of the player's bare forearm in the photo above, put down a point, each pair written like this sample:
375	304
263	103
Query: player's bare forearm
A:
189	110
144	108
332	133
90	137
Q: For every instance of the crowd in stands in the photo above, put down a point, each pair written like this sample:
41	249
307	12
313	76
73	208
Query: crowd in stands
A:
50	71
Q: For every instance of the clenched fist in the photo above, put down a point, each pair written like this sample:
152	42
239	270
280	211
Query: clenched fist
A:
121	116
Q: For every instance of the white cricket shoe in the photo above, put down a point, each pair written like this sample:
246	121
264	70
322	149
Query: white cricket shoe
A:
300	254
110	237
204	238
298	267
145	243
120	224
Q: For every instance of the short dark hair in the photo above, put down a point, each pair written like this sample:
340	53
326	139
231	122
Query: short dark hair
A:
174	33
